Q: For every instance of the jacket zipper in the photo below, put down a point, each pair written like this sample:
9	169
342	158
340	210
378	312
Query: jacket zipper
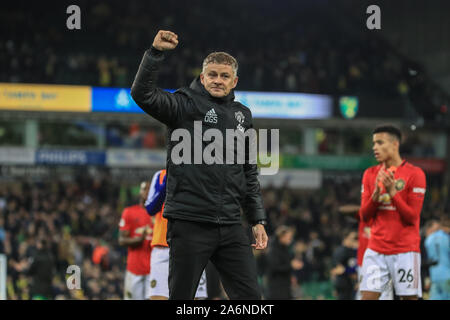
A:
222	182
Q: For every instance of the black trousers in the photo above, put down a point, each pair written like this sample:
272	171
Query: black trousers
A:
192	244
213	282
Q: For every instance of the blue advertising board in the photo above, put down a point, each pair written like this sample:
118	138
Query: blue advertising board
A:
262	104
70	157
114	100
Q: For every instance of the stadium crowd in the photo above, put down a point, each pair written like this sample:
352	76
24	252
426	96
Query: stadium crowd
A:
76	223
326	56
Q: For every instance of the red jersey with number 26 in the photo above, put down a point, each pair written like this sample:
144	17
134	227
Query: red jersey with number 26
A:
134	220
395	222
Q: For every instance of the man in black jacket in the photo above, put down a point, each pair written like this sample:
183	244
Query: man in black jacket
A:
204	198
42	270
344	271
281	264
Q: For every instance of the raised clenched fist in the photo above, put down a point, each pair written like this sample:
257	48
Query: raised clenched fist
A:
165	40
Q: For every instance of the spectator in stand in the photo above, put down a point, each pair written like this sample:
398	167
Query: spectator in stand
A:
41	271
281	264
325	59
344	272
438	251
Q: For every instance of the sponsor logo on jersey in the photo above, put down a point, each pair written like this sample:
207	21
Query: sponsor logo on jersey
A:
385	198
391	208
211	116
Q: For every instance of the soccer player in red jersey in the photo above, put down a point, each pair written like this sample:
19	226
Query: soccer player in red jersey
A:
135	232
363	229
363	240
392	197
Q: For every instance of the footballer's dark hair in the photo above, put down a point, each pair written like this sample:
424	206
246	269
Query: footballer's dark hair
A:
430	223
390	129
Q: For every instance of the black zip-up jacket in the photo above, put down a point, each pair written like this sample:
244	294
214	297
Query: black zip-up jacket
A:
200	192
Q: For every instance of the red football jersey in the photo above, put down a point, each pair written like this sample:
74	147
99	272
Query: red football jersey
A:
135	219
363	240
395	222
